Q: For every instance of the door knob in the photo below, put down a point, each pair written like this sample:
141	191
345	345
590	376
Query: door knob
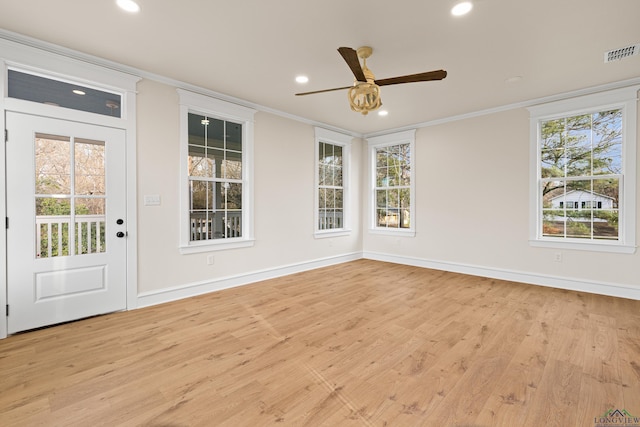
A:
120	234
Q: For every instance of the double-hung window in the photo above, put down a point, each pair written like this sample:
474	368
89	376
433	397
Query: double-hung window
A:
216	149
332	177
392	183
584	187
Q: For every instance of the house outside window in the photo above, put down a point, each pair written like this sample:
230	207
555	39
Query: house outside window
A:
332	183
216	174
583	191
392	183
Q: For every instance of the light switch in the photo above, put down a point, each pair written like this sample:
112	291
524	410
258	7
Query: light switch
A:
152	200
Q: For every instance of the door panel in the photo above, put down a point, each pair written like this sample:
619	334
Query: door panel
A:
66	207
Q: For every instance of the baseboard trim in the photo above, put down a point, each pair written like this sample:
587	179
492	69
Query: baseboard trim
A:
147	299
610	289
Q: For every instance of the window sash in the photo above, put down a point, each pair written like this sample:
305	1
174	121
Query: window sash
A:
577	214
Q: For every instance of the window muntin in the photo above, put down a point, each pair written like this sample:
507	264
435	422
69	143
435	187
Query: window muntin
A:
581	169
330	187
215	178
31	87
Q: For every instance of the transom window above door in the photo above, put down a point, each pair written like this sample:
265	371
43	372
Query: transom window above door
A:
45	90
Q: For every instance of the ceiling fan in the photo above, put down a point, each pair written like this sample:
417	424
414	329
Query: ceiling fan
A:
364	94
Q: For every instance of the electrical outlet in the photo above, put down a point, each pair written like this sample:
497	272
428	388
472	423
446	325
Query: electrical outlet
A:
210	260
557	257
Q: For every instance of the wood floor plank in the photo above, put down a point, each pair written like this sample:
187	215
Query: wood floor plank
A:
513	396
364	343
557	396
629	351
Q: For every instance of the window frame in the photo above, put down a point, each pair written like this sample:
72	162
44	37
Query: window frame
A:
397	138
338	139
624	99
195	103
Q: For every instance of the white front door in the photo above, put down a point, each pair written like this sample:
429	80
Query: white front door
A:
66	235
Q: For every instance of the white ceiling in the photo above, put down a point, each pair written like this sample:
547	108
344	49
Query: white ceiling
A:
253	49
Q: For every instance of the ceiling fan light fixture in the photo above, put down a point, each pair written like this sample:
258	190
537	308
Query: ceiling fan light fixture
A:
364	94
364	97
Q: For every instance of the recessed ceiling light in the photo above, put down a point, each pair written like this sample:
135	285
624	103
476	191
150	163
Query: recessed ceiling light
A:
383	113
128	5
79	92
462	8
302	79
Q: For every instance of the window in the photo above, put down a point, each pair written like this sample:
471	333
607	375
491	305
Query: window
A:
583	191
216	170
215	178
31	87
332	177
392	182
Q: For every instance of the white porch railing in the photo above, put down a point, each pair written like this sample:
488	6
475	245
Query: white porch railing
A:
54	234
329	219
218	227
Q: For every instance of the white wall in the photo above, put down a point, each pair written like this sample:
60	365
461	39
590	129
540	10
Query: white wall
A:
463	222
284	170
460	167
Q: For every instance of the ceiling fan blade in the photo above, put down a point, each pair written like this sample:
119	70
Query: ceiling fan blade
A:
412	78
323	90
350	56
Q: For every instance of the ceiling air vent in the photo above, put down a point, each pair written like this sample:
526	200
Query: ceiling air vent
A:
623	52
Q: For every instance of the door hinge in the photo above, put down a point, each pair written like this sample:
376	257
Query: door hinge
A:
6	135
7	309
7	222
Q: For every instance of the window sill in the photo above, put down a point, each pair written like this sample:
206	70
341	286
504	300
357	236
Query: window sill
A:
393	232
582	246
208	246
331	233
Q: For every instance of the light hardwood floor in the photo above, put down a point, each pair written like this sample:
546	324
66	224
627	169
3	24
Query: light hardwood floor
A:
359	344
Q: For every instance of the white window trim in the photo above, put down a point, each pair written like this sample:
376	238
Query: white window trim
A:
625	98
191	102
344	141
397	138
